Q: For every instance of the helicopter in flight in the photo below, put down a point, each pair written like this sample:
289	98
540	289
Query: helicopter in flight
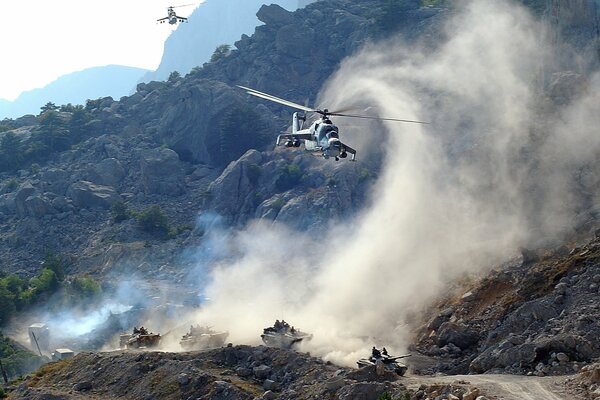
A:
172	17
322	136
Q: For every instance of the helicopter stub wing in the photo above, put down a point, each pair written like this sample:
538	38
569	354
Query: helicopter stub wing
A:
291	136
162	19
350	150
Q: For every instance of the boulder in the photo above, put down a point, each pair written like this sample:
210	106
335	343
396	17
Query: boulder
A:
162	172
362	391
85	194
232	191
22	194
55	180
108	172
37	206
460	335
262	371
274	15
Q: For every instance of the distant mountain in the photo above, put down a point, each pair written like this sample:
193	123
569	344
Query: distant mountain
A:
75	88
214	23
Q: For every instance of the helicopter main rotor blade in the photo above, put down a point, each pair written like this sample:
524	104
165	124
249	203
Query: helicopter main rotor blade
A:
184	5
267	96
377	118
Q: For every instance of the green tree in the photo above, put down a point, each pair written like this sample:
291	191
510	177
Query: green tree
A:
392	14
45	283
49	106
119	211
56	263
241	129
220	52
53	131
11	152
7	305
174	77
289	177
153	220
79	118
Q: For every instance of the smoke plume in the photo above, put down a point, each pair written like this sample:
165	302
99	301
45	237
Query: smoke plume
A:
494	170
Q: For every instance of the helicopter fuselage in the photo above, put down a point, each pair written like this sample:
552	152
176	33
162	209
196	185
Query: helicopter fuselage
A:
322	137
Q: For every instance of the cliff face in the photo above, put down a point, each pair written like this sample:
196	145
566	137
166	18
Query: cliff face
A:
163	144
214	23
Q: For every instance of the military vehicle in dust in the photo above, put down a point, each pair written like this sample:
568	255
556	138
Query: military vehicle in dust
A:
140	339
382	357
203	338
282	335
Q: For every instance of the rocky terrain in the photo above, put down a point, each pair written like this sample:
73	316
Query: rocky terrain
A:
533	319
535	316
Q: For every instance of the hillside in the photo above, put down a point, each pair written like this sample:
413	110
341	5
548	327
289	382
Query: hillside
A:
212	24
471	240
75	88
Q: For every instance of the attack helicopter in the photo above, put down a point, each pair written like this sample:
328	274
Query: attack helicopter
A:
172	17
322	136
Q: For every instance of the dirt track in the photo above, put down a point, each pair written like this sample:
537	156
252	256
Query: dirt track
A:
504	387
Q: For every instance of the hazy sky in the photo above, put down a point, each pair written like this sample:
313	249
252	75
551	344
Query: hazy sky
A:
42	40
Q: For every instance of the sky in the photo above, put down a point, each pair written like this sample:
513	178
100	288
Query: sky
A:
42	40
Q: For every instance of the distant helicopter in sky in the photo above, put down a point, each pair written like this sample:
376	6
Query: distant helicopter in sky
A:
322	136
172	17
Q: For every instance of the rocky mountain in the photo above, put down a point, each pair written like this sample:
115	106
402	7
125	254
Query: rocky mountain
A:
161	146
75	88
196	145
212	24
537	315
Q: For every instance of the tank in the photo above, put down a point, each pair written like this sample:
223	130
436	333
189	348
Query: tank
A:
203	338
390	363
140	339
282	335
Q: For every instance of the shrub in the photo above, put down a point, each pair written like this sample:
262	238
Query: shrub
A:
153	220
220	52
11	184
120	212
289	177
174	77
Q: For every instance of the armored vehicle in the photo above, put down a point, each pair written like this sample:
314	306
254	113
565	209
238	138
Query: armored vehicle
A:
389	363
282	335
203	337
140	338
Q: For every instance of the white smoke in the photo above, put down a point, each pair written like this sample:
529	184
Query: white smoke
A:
490	172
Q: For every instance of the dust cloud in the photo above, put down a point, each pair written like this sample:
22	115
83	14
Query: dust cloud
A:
491	172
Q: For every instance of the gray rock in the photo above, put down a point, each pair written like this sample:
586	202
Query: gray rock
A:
232	191
183	379
269	384
108	172
162	172
460	335
243	372
37	206
25	191
82	386
87	195
55	180
262	371
361	391
269	395
274	15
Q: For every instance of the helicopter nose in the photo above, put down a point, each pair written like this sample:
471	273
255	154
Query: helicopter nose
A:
335	147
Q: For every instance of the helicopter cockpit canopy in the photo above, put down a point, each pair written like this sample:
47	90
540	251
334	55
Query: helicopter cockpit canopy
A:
327	131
